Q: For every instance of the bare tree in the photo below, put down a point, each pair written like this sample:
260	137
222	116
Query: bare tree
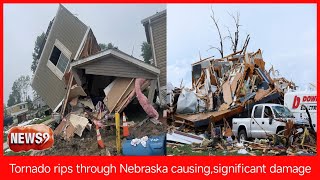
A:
234	37
221	40
234	40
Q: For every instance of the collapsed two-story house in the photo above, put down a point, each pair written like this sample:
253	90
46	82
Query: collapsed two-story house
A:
72	57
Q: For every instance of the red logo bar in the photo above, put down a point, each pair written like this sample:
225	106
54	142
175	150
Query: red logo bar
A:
31	137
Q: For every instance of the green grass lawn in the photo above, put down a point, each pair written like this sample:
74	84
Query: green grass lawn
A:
11	153
42	120
4	137
186	150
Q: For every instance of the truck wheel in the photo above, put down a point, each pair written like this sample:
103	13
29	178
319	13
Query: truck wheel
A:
242	135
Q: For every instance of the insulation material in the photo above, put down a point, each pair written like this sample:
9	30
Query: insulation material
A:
130	97
143	100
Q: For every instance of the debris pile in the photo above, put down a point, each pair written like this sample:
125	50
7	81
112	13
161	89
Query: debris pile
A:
230	87
294	140
89	87
222	88
87	113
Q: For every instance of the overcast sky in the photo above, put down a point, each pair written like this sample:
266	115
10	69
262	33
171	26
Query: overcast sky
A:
118	24
286	34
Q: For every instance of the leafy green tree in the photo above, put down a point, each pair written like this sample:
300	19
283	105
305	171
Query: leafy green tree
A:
37	51
24	83
107	46
15	95
111	46
103	46
6	114
29	102
11	100
146	52
19	90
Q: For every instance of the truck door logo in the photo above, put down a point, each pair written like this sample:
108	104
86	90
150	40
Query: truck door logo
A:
305	100
296	102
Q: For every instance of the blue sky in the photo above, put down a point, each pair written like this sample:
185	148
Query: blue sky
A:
285	33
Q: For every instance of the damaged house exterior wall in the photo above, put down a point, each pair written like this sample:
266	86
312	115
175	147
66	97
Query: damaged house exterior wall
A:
64	39
113	62
156	33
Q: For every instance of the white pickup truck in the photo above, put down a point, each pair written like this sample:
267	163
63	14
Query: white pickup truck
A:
262	121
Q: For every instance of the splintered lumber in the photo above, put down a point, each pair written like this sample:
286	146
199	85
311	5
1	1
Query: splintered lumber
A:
199	119
235	82
227	92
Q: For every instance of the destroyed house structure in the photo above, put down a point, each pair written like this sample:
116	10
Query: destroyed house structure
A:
225	88
62	44
156	33
73	66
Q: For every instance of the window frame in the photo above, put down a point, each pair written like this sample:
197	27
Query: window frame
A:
65	52
264	113
255	110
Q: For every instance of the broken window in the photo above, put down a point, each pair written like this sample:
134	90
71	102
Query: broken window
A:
55	55
59	59
282	112
267	112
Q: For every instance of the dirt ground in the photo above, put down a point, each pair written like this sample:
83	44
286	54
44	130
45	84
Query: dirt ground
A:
87	144
82	146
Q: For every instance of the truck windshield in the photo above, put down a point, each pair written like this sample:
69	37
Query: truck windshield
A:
282	112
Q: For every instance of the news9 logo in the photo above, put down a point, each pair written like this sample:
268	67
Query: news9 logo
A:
31	137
